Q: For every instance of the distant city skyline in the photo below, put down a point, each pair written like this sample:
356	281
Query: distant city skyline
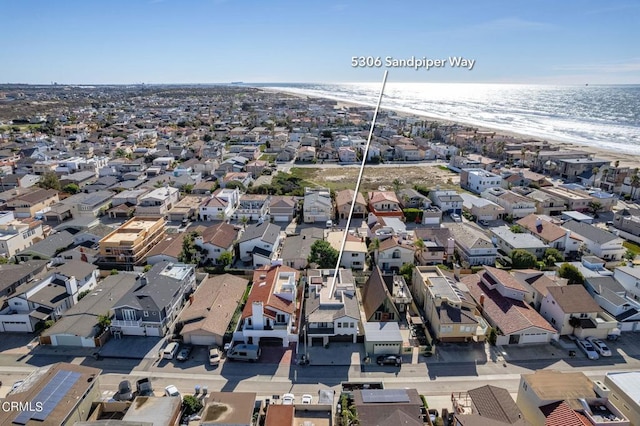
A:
219	41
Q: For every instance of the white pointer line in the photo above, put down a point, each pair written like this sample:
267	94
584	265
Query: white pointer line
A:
357	189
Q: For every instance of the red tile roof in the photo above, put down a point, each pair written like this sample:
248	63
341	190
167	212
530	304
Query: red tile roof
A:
510	315
378	196
280	415
560	414
264	293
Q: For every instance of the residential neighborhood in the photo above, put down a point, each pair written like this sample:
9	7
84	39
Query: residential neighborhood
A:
185	233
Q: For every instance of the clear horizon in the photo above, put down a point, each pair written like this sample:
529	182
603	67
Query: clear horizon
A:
280	41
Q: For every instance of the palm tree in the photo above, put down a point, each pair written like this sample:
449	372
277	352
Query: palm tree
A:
420	247
575	323
605	173
595	172
595	207
374	246
244	220
635	183
396	184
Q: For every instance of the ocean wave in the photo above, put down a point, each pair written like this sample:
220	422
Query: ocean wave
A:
603	116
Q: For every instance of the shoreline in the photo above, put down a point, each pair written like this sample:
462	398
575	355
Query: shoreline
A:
625	159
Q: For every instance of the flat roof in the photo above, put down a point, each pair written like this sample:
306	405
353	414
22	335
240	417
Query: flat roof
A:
382	332
577	215
229	408
627	381
153	410
130	230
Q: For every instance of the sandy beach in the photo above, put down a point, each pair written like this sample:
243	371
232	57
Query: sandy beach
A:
625	160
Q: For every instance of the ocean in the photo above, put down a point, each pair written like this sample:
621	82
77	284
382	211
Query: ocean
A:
605	116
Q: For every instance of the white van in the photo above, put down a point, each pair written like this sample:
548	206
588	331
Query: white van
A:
170	351
244	352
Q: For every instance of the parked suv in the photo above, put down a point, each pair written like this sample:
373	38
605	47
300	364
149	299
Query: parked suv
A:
389	360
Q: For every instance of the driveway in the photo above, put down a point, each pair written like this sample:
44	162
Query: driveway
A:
132	347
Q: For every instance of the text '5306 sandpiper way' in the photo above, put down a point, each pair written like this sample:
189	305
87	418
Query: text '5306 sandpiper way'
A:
414	62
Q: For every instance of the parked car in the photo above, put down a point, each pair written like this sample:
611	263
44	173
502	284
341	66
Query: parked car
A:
184	353
288	399
16	385
484	222
171	390
588	349
456	217
600	346
214	356
306	398
244	352
124	391
389	360
144	388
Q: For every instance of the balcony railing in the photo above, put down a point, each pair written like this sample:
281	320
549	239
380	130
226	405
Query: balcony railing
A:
126	323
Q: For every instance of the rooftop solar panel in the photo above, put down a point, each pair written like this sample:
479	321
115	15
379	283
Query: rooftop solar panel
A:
50	395
377	396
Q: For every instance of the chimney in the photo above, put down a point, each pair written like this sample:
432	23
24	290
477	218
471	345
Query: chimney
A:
191	299
482	300
538	222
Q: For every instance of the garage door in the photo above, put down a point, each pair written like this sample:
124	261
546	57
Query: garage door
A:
281	218
153	331
203	340
67	341
534	338
15	326
386	348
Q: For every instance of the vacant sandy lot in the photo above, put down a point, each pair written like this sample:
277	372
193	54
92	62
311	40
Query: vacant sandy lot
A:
375	177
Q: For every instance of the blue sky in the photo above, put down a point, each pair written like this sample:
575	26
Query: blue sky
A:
210	41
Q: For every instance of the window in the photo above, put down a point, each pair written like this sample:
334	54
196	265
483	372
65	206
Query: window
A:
129	314
280	318
339	325
524	386
553	320
146	313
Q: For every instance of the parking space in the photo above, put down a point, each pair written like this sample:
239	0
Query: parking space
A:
17	343
335	354
278	354
132	347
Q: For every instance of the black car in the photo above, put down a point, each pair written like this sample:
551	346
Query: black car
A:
124	391
144	388
184	353
389	360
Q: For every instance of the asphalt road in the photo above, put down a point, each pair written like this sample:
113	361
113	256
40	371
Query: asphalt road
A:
436	380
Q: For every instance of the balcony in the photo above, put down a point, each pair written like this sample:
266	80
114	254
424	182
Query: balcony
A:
320	331
126	323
